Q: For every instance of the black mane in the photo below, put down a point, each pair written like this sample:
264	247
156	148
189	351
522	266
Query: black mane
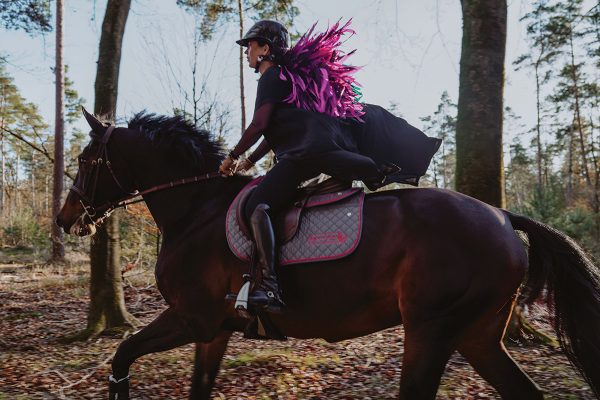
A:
197	148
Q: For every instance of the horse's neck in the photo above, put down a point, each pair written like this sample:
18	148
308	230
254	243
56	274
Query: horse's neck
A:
174	209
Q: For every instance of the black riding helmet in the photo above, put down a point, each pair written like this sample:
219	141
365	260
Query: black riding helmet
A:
271	32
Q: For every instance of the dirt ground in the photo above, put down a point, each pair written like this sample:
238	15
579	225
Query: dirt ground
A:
39	304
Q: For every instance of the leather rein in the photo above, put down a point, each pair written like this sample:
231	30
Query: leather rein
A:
131	197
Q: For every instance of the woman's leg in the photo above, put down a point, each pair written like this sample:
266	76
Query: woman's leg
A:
278	187
275	192
347	165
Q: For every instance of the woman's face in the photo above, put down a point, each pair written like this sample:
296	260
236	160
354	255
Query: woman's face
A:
253	51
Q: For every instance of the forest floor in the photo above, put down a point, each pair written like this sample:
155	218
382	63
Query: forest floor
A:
39	304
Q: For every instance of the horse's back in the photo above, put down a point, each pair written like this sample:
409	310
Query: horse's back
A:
458	248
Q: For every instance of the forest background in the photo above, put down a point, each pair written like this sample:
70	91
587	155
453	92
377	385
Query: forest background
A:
181	59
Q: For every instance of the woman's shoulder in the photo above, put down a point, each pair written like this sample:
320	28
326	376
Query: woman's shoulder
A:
271	73
271	88
272	78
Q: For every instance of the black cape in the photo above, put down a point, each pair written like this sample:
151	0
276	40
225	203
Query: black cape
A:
296	133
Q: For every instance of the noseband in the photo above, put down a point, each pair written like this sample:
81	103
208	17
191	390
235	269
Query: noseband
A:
90	181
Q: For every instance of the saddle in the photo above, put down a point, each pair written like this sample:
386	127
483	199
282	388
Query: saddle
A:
286	225
324	222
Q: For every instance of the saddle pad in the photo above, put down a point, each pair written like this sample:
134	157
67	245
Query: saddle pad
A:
328	229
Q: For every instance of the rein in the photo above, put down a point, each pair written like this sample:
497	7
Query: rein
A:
125	201
131	197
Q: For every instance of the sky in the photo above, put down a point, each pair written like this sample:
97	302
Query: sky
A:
409	51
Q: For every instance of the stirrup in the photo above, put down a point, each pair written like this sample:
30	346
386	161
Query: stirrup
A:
266	300
241	299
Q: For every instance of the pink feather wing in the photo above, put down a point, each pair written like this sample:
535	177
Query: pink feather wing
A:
320	81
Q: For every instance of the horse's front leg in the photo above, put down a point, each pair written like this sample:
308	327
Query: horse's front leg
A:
165	332
206	365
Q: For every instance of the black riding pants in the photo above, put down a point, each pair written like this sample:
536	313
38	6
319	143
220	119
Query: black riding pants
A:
278	187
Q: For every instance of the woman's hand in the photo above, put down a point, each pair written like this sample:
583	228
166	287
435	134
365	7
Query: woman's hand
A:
244	165
226	168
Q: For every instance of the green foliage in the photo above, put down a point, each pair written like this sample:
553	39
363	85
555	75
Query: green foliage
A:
73	102
558	182
283	11
442	124
25	171
138	234
31	16
214	13
24	230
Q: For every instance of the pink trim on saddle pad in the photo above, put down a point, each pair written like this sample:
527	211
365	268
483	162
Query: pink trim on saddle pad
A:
330	228
322	199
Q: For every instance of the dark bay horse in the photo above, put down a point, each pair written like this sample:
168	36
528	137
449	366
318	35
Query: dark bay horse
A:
445	265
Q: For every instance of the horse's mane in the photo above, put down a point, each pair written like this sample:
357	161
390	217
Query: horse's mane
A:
197	148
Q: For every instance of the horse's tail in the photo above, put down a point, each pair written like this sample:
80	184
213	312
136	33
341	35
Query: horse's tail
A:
573	291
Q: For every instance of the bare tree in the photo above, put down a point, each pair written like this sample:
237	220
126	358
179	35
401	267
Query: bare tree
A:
242	96
58	247
107	305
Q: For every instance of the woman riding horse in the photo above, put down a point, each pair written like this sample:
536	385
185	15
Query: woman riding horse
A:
308	111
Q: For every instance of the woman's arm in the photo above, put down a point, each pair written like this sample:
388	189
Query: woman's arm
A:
258	153
260	121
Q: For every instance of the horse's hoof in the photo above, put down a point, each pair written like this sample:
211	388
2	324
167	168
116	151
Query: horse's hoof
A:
118	389
118	396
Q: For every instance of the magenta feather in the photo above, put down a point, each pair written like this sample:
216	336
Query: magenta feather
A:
320	81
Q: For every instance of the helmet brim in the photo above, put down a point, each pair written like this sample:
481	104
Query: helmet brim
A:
243	42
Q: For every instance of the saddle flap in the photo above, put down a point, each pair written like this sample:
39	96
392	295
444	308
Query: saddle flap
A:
239	209
286	225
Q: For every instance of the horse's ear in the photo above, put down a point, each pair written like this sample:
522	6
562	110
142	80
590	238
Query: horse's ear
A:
94	123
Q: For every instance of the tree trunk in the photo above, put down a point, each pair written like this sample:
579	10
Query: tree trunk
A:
242	97
538	125
479	152
34	207
16	186
577	109
107	306
479	164
58	247
3	176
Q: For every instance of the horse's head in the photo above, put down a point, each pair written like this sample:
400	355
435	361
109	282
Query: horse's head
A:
101	180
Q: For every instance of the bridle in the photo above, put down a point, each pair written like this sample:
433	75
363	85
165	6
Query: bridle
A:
90	181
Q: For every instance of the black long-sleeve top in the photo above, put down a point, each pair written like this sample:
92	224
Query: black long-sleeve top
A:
260	122
271	91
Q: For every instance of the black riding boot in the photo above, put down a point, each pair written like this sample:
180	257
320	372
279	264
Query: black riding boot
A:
267	294
387	173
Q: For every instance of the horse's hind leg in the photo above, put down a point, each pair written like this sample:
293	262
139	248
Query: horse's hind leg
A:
206	365
483	348
166	332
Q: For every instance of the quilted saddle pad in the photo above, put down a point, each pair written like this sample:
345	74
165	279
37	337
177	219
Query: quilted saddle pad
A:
330	228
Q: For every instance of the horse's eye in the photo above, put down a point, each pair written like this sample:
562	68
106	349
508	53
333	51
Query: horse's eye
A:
82	160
